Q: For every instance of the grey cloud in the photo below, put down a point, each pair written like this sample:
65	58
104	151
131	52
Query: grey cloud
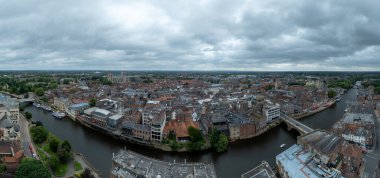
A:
185	35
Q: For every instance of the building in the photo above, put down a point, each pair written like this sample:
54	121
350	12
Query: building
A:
180	128
320	154
11	155
10	107
115	120
157	128
62	104
117	78
8	129
127	164
240	127
150	113
261	171
296	162
271	111
155	117
357	128
138	131
97	116
78	108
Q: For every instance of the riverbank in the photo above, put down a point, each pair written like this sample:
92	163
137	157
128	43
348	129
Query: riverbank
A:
116	134
241	155
310	113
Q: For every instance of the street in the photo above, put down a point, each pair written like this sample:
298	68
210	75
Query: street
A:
25	136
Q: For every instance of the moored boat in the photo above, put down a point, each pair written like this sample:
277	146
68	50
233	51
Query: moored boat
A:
59	115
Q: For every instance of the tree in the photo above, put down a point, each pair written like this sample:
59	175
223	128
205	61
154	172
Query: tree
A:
64	155
66	81
64	151
196	139
222	143
28	115
3	168
87	174
39	134
219	141
54	144
30	168
92	102
331	93
66	145
39	91
53	162
172	135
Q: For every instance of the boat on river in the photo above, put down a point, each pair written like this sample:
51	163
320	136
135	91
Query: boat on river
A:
282	145
58	115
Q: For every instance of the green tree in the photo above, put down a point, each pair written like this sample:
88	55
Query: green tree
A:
92	102
3	168
196	139
219	141
53	86
331	93
222	143
87	174
30	168
64	151
53	162
28	115
66	81
172	135
54	144
39	91
39	134
66	145
174	145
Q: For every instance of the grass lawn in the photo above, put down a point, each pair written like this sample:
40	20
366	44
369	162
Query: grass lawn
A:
46	148
60	170
42	155
77	166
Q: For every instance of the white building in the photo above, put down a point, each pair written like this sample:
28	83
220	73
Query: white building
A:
154	117
271	111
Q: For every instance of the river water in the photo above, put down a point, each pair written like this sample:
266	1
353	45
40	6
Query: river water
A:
241	156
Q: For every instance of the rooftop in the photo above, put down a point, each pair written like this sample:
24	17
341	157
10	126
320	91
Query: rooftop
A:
261	171
127	163
322	141
299	163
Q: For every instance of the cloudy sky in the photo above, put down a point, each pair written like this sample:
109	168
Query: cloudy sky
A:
254	35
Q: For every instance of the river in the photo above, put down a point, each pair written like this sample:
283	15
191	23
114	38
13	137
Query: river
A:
240	157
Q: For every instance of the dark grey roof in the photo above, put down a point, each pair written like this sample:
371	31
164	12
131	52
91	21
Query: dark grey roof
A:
5	122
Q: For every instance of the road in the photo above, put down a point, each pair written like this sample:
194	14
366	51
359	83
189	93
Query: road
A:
372	157
297	125
25	136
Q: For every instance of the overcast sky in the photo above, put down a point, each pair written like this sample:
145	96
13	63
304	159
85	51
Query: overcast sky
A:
254	35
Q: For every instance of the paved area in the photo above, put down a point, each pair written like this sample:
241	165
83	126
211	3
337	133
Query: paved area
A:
25	136
297	125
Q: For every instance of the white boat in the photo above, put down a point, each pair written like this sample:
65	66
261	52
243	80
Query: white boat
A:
36	105
346	110
282	145
58	115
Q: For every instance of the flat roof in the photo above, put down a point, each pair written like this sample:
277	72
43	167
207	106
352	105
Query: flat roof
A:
127	162
116	117
261	171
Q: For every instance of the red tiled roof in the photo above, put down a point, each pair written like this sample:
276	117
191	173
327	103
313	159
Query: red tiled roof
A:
180	127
